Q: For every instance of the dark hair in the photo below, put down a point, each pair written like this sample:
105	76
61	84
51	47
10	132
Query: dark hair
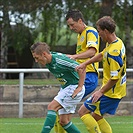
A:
40	47
106	22
75	15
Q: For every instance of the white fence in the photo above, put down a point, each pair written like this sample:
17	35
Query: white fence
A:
21	81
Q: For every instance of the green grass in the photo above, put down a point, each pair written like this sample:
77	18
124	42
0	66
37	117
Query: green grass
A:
119	124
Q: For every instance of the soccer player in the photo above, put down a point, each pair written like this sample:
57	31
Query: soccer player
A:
87	47
72	86
113	89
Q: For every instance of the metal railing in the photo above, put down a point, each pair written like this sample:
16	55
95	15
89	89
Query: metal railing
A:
21	81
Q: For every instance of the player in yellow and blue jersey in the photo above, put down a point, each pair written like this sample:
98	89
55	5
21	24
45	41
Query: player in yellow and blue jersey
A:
87	47
113	89
87	42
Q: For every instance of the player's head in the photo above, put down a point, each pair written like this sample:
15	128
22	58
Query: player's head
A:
75	20
40	47
40	50
106	27
75	15
107	23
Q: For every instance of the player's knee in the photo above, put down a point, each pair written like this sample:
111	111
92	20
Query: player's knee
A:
82	112
50	107
63	122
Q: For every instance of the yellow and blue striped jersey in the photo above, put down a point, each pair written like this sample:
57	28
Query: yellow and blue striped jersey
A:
114	67
88	38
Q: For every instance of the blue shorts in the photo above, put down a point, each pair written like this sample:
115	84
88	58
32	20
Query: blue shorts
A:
91	82
104	105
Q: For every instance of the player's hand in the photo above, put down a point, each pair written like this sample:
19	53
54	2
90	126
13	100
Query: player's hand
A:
73	57
76	91
95	96
81	66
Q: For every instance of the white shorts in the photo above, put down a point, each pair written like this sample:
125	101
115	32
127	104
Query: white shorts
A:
65	99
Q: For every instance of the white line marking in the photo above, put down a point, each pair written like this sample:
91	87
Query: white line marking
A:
20	123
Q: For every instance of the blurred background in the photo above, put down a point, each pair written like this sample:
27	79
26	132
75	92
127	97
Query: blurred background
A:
24	22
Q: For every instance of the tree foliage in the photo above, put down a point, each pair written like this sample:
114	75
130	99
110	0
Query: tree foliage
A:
27	21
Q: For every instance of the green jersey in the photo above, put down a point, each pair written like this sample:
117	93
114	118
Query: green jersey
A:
63	68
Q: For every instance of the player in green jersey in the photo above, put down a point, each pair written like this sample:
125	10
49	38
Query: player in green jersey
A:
72	86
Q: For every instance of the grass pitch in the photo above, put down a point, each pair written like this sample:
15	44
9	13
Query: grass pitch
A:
119	124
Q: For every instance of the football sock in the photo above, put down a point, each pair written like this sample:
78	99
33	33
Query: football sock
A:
104	126
49	122
71	128
57	127
90	123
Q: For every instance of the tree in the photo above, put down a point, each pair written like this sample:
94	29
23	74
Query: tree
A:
124	19
45	21
16	9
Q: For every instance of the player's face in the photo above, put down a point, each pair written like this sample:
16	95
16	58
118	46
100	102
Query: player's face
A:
41	59
73	25
102	34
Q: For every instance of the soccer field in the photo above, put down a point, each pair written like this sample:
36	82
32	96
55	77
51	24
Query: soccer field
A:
119	124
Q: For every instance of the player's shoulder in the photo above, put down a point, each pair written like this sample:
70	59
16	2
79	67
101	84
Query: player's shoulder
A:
57	54
61	56
91	28
115	48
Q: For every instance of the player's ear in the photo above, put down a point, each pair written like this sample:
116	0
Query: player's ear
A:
80	20
106	31
44	53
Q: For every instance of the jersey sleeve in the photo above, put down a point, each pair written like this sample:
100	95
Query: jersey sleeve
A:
67	63
115	62
92	39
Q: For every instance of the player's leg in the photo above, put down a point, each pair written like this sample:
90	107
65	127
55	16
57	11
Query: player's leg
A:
91	82
104	126
57	127
65	120
71	128
90	123
69	106
107	105
50	119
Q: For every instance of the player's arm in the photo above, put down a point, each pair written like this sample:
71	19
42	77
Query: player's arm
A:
108	86
81	74
104	89
87	54
94	59
115	65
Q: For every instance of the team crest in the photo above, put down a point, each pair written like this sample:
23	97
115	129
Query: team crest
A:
105	55
115	50
82	39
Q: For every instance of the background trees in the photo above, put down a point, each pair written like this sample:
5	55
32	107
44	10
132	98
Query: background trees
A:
25	22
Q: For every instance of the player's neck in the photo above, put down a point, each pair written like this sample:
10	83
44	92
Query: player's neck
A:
83	28
112	38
